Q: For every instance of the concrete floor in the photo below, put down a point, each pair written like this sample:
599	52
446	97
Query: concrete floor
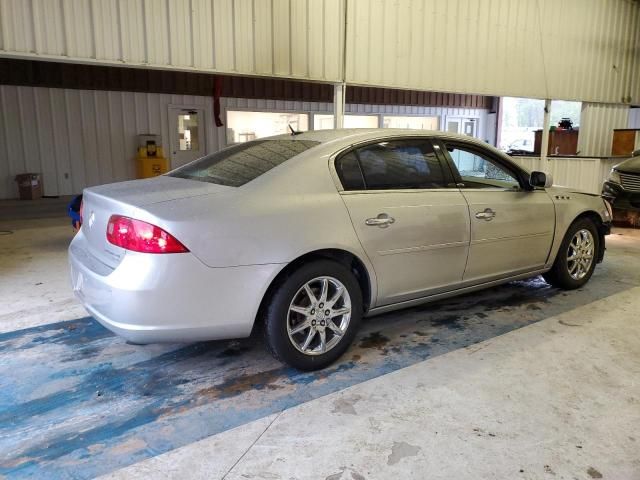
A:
520	381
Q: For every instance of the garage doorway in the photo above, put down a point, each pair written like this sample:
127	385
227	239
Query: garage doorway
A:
464	126
187	134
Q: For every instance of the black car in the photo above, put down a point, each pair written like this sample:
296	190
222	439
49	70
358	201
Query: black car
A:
622	189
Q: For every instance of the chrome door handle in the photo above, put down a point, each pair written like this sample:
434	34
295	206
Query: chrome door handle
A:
487	214
382	220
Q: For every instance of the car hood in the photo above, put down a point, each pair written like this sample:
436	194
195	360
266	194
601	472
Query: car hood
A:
156	190
631	165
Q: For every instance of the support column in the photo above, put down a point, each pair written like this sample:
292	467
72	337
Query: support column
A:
544	148
339	90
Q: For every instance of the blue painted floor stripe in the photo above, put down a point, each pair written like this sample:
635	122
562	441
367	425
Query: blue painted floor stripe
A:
77	402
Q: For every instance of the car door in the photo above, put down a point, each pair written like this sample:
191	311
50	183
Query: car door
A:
410	218
512	227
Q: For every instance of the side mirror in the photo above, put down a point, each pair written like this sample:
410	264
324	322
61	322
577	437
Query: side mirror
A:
540	179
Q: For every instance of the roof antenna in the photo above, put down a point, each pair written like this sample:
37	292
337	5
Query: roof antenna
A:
294	132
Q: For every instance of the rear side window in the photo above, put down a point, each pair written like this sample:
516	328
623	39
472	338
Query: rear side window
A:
397	164
349	172
240	164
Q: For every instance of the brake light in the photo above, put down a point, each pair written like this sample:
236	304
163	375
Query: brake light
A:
141	236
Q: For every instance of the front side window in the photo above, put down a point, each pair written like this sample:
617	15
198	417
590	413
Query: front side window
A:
396	164
480	171
237	165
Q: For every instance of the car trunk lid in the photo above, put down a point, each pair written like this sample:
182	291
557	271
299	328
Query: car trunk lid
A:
129	199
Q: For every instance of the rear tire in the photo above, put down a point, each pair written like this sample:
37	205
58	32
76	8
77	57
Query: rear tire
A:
577	256
313	315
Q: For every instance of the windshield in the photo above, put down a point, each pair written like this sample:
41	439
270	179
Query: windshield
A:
237	165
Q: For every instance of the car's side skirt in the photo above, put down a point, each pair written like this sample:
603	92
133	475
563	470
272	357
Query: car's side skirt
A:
451	293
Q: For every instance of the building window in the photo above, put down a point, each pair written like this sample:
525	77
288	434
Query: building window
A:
188	131
245	126
413	122
523	116
561	109
323	121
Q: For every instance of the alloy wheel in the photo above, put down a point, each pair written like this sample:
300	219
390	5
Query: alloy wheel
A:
580	254
319	315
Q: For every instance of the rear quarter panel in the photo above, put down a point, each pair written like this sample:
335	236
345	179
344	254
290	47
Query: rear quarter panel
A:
290	211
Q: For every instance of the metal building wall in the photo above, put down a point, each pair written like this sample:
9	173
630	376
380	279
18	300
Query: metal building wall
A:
634	118
587	50
78	138
290	38
597	122
583	173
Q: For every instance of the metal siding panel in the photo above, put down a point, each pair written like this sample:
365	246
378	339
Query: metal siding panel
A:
78	29
17	26
516	46
89	137
202	32
7	186
132	30
106	29
299	39
315	47
281	43
243	35
634	118
180	33
61	140
77	157
48	27
45	142
375	37
223	42
333	40
157	32
263	37
597	122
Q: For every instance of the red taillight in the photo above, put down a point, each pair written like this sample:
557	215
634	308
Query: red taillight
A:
81	210
141	236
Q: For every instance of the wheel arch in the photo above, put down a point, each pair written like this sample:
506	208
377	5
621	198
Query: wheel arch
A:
600	226
346	258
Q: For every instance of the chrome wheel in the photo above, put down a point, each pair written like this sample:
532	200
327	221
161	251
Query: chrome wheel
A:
580	254
319	315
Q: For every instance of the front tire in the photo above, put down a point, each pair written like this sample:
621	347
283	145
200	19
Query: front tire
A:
576	258
313	315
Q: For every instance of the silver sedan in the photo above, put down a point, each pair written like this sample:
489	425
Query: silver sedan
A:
305	234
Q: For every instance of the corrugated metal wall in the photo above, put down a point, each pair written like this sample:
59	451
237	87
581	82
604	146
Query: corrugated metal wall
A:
585	174
291	38
586	50
78	138
597	122
634	118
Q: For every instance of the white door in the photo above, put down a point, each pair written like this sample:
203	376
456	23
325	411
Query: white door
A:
464	126
187	134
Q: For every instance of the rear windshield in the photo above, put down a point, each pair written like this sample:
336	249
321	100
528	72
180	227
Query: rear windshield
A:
240	164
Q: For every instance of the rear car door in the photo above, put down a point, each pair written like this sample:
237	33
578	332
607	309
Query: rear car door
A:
410	218
512	227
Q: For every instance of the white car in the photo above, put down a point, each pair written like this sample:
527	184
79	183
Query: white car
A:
305	234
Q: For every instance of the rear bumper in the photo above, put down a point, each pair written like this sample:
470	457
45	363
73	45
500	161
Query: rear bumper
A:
168	298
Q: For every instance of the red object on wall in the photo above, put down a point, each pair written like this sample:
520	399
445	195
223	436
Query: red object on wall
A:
217	92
